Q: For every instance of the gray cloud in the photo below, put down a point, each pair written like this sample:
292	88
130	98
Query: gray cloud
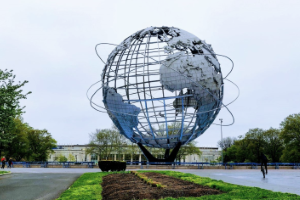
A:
51	44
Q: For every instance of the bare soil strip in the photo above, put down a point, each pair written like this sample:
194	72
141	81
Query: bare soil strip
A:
129	186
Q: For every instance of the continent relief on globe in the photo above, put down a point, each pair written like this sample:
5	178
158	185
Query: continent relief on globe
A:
123	115
190	63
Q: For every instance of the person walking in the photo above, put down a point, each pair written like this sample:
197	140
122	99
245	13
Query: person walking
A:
263	162
10	163
3	162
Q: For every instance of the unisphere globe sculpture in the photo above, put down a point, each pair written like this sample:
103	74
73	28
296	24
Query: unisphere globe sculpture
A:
162	87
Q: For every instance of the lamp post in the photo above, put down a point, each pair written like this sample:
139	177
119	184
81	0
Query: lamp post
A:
221	120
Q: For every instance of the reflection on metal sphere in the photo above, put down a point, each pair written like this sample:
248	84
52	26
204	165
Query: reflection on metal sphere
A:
162	87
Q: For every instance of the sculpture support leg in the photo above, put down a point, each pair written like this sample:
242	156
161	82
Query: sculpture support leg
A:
167	153
168	158
146	153
175	152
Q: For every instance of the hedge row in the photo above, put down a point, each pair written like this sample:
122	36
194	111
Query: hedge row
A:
148	180
106	166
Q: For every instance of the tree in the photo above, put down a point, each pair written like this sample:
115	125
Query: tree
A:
173	129
255	141
105	141
274	144
132	149
226	143
11	94
188	149
28	143
18	147
71	157
231	154
248	148
119	142
290	133
61	158
41	144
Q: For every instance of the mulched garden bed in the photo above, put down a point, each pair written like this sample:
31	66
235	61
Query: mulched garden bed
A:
128	186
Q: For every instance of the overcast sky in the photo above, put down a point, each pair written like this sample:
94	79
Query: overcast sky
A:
51	44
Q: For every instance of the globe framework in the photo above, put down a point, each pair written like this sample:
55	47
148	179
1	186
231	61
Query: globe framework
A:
162	87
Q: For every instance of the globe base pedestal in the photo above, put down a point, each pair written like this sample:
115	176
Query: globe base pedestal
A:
169	158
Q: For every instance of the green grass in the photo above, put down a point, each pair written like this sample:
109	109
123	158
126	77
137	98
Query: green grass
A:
4	172
232	191
88	186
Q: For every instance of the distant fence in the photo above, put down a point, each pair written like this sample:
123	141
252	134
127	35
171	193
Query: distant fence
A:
201	165
46	164
254	165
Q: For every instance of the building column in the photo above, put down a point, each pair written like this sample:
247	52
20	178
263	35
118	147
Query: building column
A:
115	158
131	157
123	157
140	159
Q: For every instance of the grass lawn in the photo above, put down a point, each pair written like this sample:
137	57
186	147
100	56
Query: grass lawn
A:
4	172
88	186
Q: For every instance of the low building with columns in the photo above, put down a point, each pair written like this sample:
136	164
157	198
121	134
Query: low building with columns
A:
78	154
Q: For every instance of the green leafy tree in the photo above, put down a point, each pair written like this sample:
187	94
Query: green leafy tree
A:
71	157
238	151
247	148
19	146
104	142
156	152
241	149
41	144
231	154
120	142
131	149
255	142
278	145
188	149
173	129
62	158
10	93
273	144
226	142
290	133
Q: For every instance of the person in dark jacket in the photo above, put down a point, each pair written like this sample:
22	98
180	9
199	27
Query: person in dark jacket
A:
264	161
10	163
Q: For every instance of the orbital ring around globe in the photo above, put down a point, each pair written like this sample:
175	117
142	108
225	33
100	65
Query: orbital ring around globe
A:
222	105
141	81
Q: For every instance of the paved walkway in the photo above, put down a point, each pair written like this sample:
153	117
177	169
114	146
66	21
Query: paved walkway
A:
276	180
29	186
49	183
53	170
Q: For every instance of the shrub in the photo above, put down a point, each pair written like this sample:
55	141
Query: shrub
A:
106	166
213	162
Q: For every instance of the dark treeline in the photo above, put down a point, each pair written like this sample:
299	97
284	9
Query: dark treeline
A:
279	145
28	144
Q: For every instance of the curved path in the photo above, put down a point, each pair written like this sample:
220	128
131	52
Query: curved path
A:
42	186
279	180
